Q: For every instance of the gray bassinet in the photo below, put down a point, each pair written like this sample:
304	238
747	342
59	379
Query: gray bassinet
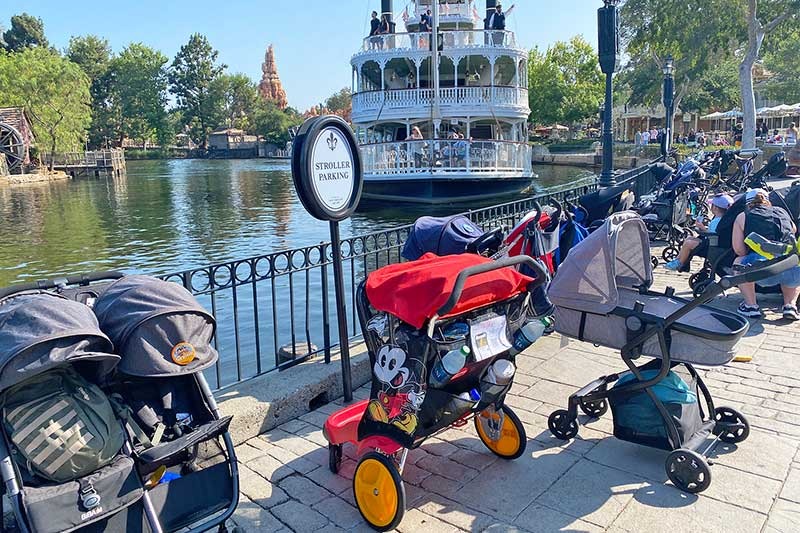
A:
42	330
602	279
158	328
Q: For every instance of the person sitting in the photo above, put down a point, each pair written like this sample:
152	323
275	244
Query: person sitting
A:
698	245
775	224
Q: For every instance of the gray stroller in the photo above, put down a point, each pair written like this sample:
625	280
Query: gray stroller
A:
177	469
602	295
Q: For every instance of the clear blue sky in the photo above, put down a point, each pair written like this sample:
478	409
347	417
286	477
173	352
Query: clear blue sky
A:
314	39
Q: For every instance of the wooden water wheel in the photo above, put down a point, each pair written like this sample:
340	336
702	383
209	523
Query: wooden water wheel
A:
12	145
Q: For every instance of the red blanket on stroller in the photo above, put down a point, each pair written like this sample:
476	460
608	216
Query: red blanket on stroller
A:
414	291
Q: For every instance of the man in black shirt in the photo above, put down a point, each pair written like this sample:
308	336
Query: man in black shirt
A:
497	23
426	22
375	30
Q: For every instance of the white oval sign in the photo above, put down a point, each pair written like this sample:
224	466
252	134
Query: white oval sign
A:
332	169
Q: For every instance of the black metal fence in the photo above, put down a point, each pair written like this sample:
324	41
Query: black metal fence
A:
277	310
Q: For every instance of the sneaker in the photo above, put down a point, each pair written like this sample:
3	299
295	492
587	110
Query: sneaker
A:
675	264
750	311
790	312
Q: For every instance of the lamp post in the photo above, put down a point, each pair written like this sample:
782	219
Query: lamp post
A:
669	101
608	37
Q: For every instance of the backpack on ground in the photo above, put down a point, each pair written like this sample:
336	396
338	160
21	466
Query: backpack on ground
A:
61	426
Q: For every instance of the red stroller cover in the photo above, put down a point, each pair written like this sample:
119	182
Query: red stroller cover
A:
521	245
414	291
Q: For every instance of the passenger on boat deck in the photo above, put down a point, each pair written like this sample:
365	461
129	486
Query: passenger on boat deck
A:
426	22
416	134
385	27
374	31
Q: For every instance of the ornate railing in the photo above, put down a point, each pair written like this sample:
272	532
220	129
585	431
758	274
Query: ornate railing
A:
486	97
451	39
446	156
285	299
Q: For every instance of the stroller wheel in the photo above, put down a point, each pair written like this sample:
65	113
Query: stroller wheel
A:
700	288
379	491
669	253
697	277
688	471
732	426
561	425
334	457
501	431
594	409
654	261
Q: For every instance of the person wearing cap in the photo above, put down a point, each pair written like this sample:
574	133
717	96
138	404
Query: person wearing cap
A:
691	245
775	224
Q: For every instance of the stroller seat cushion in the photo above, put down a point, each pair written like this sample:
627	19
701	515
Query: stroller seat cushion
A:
414	291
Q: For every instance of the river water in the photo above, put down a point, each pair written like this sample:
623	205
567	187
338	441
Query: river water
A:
167	216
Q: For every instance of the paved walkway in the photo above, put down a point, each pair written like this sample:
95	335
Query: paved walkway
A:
594	483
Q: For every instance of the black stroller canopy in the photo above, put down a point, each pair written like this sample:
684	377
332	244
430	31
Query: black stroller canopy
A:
158	327
40	331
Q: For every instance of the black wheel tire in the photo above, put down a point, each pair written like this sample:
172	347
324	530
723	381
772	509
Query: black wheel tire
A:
669	253
594	409
697	277
389	464
732	416
334	457
654	261
520	430
688	471
561	425
700	288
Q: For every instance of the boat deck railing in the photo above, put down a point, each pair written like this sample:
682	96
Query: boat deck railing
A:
451	99
459	156
451	39
276	310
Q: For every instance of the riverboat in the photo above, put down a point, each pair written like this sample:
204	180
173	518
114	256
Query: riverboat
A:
446	127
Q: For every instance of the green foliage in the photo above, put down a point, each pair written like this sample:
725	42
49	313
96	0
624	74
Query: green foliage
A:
566	84
782	57
234	98
340	103
26	31
274	123
191	75
54	92
138	94
93	55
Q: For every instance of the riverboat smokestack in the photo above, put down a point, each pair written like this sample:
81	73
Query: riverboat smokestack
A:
386	9
491	5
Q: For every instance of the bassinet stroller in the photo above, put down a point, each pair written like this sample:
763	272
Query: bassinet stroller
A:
602	296
192	479
412	315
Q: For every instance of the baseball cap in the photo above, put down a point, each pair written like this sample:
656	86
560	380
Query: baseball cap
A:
752	193
723	201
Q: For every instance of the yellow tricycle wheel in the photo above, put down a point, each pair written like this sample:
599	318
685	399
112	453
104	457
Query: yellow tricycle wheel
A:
379	491
501	431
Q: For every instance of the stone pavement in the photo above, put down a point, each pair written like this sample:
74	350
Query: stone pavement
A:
593	483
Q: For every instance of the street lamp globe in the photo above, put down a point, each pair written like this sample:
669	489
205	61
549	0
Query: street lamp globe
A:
669	66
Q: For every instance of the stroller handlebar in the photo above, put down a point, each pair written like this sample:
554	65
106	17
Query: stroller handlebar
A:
83	279
458	288
766	270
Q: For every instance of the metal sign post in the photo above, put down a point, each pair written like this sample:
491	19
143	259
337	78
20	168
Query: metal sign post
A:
326	169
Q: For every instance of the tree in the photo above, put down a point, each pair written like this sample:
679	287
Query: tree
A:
341	103
93	55
698	34
26	31
54	92
565	83
138	94
234	96
762	19
273	123
780	58
193	70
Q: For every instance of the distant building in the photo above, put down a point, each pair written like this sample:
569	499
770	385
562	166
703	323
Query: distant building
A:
233	143
270	88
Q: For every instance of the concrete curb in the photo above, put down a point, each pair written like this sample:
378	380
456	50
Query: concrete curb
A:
264	402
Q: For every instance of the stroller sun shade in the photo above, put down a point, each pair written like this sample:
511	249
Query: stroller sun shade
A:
616	255
158	327
415	291
442	236
40	331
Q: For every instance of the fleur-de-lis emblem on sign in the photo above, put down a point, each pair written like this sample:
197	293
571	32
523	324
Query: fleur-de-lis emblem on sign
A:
332	142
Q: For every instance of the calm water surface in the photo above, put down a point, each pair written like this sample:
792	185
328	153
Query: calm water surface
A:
167	216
